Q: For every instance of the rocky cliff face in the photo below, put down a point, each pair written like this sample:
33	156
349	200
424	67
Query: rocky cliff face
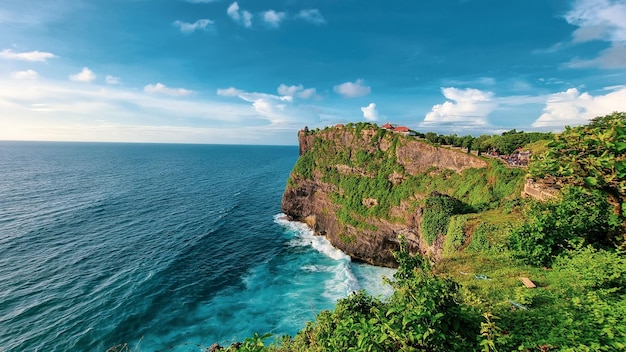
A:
361	153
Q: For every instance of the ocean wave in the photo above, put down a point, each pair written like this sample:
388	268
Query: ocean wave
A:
343	282
304	236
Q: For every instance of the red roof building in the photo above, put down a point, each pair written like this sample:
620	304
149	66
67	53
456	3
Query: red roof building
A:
401	129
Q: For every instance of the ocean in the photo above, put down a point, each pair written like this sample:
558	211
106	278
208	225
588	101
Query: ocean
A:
163	247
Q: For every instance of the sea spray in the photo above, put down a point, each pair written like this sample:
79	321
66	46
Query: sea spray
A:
343	282
349	277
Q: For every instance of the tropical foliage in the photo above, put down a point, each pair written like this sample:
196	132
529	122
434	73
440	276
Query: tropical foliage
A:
593	156
369	181
473	299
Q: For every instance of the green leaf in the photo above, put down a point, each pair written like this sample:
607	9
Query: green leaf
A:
591	181
620	146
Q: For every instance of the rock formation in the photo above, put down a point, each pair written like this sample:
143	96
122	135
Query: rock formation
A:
309	198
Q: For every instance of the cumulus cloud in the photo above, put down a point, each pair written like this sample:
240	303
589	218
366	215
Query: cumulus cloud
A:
297	91
187	28
311	15
36	55
284	89
573	107
353	89
242	17
598	19
86	75
160	88
465	106
27	74
112	79
369	112
273	18
278	109
233	11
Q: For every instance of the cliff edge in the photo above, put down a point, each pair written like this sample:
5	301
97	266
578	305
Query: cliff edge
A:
362	186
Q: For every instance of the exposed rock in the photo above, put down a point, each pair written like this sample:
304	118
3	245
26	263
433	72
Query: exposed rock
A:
396	178
370	202
543	190
416	156
308	200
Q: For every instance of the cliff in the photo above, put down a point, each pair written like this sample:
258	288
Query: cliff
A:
362	186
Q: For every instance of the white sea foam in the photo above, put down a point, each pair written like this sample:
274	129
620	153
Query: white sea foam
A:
371	279
343	282
304	236
313	268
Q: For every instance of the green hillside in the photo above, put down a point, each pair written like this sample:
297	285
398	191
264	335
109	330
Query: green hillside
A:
472	298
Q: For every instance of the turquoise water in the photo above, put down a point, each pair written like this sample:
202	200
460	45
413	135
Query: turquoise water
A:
163	247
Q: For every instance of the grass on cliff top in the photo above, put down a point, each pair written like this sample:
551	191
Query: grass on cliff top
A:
363	172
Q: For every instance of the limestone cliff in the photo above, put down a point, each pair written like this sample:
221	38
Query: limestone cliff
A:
362	186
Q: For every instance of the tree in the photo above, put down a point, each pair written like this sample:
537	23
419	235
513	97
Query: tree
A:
592	156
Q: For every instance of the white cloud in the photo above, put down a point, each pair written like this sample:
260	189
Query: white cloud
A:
187	28
233	11
247	19
250	96
289	90
229	92
278	109
86	75
311	15
369	112
43	109
297	91
611	58
353	89
242	17
26	56
603	20
465	106
27	74
160	88
573	107
307	93
112	79
273	18
598	19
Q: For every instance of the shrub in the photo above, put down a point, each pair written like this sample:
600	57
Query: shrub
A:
455	235
437	211
578	216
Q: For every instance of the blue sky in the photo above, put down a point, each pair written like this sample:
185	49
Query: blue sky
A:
254	72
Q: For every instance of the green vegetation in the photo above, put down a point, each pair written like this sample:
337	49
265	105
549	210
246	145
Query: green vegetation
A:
438	208
455	235
364	171
578	216
593	156
473	299
506	143
305	166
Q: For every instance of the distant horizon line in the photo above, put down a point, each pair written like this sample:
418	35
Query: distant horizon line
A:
137	142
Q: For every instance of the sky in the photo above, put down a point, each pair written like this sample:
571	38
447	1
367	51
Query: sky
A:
255	72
